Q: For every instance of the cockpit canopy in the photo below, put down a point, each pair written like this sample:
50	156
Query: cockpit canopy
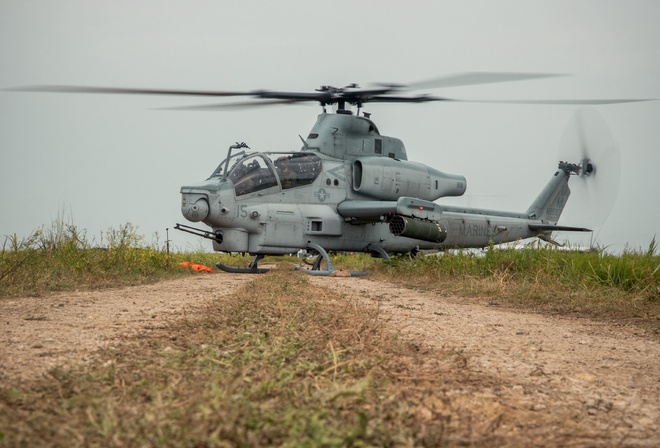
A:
252	174
256	172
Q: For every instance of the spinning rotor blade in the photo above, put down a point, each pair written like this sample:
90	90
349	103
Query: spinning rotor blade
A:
473	78
587	141
120	91
428	98
407	99
233	106
252	104
562	102
263	94
326	95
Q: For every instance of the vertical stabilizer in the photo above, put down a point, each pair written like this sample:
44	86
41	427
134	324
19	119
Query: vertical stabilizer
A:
549	204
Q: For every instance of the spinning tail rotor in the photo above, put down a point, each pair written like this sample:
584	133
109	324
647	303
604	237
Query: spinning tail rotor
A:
587	150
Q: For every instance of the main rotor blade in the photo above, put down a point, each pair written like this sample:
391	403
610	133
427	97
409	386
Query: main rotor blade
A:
231	106
397	99
407	99
251	104
559	102
473	78
323	97
428	98
127	91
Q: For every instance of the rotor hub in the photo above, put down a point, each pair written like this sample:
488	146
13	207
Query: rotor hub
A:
583	169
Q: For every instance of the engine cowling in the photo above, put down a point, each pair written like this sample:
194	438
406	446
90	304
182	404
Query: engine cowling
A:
389	179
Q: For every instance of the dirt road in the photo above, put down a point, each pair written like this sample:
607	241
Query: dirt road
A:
551	370
554	371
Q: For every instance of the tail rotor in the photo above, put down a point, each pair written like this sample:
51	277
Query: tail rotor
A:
588	151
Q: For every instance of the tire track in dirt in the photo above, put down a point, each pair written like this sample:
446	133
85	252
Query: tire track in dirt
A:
552	374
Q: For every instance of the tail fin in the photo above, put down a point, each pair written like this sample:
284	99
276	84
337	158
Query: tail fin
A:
549	204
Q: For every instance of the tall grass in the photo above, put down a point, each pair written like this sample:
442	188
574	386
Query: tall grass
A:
631	271
61	257
595	283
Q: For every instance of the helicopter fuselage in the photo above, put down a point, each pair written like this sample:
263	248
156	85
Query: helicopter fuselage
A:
370	199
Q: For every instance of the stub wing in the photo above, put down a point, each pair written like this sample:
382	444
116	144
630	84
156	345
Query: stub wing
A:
373	211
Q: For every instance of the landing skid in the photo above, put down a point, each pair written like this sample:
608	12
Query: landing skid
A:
329	268
378	252
321	259
252	268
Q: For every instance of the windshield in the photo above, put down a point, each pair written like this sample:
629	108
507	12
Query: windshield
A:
233	159
252	174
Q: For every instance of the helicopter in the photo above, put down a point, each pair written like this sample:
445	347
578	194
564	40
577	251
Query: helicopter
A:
350	188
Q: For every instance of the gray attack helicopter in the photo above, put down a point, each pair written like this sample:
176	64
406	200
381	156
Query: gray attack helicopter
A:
350	188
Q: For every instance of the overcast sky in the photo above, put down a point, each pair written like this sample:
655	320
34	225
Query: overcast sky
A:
105	160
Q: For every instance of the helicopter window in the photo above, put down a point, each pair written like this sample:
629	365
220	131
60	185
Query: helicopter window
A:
296	170
219	171
252	174
312	136
378	146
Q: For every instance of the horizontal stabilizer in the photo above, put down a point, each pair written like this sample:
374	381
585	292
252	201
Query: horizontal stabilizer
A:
556	228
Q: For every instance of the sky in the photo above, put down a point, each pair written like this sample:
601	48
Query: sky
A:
103	161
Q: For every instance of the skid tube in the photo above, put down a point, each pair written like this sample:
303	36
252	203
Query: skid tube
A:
329	268
252	268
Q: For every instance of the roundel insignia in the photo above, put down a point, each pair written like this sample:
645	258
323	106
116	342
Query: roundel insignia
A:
321	195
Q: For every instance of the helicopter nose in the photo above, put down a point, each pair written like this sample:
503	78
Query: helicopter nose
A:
194	211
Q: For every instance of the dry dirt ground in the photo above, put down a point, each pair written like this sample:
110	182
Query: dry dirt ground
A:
545	369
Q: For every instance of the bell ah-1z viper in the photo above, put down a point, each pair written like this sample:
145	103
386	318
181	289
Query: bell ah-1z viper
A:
350	188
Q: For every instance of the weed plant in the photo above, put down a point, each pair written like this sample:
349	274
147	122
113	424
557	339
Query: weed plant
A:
61	257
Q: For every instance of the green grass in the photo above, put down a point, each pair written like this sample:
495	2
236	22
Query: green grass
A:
594	284
62	258
278	363
637	272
